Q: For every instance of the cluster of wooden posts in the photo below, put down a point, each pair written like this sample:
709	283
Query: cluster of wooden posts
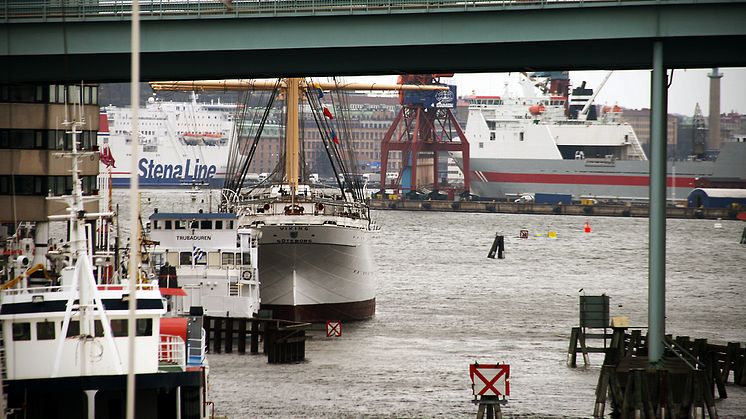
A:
283	341
682	386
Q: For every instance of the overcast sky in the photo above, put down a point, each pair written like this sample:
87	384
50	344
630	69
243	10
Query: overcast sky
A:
629	89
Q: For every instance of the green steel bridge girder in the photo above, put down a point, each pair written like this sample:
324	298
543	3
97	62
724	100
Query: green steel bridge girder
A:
606	36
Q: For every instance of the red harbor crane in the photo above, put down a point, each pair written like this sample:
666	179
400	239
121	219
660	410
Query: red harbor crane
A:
424	128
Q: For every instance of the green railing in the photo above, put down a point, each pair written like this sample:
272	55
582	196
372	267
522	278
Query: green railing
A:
80	10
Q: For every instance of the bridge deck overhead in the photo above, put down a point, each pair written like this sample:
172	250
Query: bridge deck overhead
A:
194	40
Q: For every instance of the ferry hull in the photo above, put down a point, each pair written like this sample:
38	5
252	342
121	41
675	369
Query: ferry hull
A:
316	273
623	179
158	395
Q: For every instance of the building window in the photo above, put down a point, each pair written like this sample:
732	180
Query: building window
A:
45	330
21	331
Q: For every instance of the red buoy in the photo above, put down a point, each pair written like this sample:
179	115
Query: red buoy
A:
587	227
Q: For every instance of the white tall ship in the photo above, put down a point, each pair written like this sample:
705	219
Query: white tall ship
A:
546	141
183	144
314	255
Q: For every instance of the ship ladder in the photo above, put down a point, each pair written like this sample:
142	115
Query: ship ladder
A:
3	375
234	289
637	149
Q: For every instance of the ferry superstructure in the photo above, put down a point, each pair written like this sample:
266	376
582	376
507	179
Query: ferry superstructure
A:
207	259
529	144
183	144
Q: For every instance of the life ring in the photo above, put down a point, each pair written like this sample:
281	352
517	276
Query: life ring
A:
246	275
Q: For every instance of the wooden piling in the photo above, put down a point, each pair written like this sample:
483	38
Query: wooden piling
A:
242	336
572	351
229	335
218	333
254	337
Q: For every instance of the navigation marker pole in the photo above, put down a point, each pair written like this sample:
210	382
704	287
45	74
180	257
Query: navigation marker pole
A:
134	207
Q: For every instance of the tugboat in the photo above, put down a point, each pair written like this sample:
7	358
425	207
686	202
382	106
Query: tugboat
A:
65	335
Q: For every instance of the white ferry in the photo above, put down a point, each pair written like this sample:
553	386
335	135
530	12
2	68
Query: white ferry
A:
537	142
183	144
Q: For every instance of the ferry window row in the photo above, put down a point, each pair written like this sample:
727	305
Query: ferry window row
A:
44	185
46	93
45	139
193	224
211	258
47	330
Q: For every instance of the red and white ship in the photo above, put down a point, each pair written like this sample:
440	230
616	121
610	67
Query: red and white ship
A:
537	142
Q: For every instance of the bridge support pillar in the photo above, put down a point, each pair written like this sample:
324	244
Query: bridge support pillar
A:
657	221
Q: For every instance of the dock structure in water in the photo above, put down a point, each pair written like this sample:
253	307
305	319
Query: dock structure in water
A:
606	210
283	341
690	372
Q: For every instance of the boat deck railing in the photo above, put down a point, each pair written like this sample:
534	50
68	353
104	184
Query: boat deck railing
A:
83	10
71	288
305	206
172	351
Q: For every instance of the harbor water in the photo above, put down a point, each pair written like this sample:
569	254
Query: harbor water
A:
442	304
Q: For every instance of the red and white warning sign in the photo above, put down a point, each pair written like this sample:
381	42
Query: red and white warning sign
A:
490	379
333	328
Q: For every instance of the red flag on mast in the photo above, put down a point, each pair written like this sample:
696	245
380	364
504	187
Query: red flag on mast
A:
327	113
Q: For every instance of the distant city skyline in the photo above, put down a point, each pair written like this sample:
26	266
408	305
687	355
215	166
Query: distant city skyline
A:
627	88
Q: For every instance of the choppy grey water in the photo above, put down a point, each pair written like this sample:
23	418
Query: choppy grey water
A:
442	304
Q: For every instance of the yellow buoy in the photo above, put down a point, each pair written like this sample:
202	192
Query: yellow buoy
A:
552	234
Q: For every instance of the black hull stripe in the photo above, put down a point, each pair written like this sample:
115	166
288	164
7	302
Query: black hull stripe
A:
59	306
315	313
107	382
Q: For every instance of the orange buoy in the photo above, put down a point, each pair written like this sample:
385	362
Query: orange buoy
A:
587	227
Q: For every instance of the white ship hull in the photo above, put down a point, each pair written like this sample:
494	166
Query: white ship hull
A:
314	258
621	179
316	272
